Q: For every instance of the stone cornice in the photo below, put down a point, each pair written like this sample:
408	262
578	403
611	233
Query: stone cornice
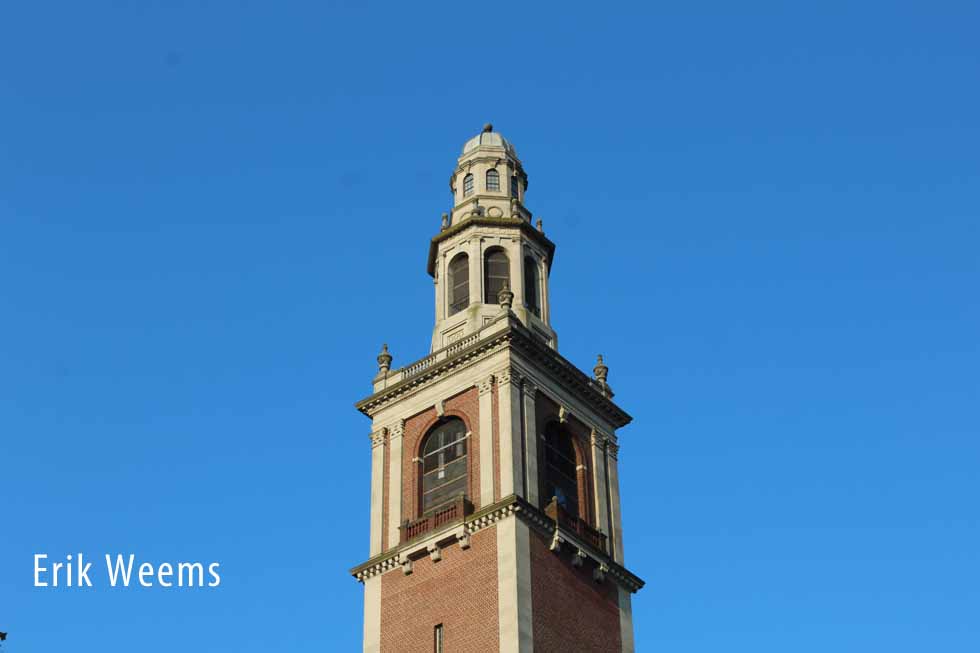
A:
512	335
402	555
525	228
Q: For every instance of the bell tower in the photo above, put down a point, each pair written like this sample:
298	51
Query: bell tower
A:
495	518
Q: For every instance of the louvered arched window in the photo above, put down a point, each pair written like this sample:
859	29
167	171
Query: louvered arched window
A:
493	180
459	283
496	274
514	186
468	184
444	472
561	469
531	299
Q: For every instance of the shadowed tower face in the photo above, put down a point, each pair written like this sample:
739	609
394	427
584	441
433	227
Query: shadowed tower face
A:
495	508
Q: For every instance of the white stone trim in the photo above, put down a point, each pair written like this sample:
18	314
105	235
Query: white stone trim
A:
509	423
486	441
372	615
377	489
626	620
395	439
531	442
514	616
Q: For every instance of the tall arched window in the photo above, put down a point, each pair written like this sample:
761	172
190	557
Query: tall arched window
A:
459	283
561	473
493	180
531	285
514	186
444	473
496	274
468	184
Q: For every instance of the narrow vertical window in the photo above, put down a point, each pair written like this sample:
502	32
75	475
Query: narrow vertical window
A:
437	639
514	186
496	274
493	180
468	184
531	285
459	283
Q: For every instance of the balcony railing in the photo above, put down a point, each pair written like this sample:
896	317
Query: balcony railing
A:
446	514
576	525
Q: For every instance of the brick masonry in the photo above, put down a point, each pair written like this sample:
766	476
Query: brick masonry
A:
459	591
570	611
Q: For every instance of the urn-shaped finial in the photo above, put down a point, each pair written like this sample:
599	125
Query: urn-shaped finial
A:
505	297
600	370
384	359
540	225
445	221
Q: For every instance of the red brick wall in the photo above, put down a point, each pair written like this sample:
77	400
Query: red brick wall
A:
571	612
466	406
459	591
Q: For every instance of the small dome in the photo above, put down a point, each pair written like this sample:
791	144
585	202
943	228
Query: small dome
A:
489	138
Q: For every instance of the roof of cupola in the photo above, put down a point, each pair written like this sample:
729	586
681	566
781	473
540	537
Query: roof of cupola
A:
488	138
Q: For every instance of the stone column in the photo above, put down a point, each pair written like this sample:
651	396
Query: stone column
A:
486	441
377	488
612	473
509	420
625	620
395	481
440	285
598	441
531	442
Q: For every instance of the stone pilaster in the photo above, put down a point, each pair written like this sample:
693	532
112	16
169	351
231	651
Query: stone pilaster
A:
509	420
514	586
486	441
616	518
531	442
377	488
598	442
395	433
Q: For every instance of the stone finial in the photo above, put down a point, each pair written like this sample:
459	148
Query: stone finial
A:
487	128
445	221
384	359
601	371
505	297
540	225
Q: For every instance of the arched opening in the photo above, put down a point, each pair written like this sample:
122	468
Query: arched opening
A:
444	468
514	186
531	285
459	283
496	274
493	180
468	184
561	469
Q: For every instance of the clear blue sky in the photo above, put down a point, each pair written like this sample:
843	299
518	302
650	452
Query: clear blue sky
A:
212	214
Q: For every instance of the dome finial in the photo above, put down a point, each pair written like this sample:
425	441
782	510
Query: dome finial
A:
487	128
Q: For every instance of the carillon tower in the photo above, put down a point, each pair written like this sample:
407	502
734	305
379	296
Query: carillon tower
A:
495	510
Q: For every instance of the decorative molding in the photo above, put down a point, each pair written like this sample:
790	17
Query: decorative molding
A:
514	335
396	430
530	389
612	450
403	556
378	437
508	375
563	414
486	385
440	408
